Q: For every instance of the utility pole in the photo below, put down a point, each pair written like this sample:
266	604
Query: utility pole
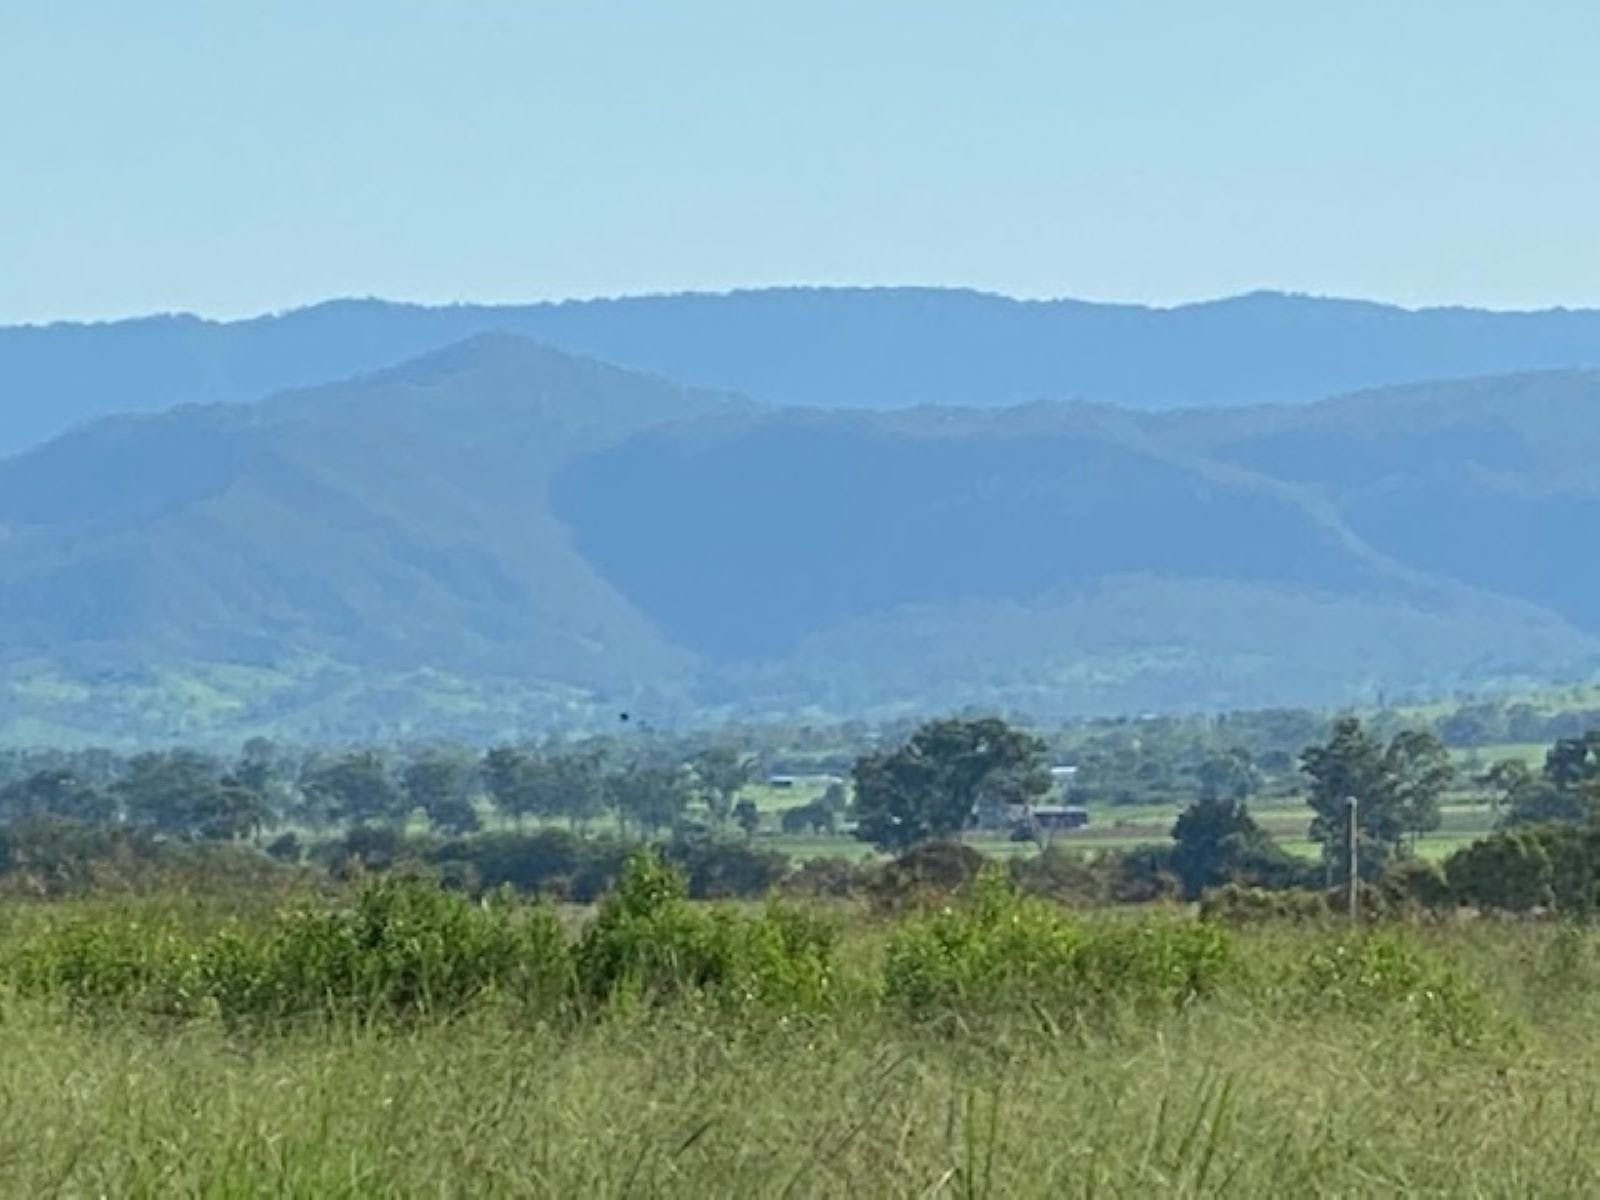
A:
1352	884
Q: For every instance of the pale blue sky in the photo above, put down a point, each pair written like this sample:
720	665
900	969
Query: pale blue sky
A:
230	157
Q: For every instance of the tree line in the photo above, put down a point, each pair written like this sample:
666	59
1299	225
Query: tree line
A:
932	785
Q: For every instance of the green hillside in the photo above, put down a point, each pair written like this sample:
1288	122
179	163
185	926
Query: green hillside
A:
369	546
499	537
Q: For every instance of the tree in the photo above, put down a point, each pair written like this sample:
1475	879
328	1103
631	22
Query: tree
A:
230	812
354	789
506	776
1566	792
1216	841
1418	769
747	816
453	814
723	773
437	785
1505	780
815	817
184	793
1230	775
57	793
257	768
1506	871
1540	802
1574	762
1397	788
171	791
651	796
574	786
836	800
932	786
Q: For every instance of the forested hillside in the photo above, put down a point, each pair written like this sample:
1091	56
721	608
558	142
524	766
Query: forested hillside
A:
499	535
360	549
814	347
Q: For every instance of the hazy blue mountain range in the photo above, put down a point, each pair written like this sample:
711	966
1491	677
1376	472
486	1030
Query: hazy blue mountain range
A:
498	536
837	348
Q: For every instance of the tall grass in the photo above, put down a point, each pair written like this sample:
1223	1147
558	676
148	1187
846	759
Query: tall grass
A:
406	1042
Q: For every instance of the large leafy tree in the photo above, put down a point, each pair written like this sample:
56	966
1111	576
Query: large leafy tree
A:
1565	792
232	811
569	784
169	790
724	772
1397	787
574	786
1575	762
508	776
1216	840
934	784
651	796
1507	871
258	766
1229	775
185	793
437	784
353	789
58	793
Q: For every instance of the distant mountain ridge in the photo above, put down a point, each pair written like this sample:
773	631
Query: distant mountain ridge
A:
499	537
806	347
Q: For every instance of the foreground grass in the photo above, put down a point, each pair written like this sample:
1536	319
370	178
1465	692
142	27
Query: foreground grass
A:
1207	1103
1350	1080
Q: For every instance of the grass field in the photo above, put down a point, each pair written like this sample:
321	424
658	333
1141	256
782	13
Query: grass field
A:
1128	826
1456	1060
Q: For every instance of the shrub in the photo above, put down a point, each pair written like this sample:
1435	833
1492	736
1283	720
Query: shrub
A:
406	948
1412	885
1384	975
649	944
403	949
720	869
1509	872
1574	856
95	962
1237	905
929	872
371	848
286	848
49	856
550	862
1065	876
1001	950
835	877
1143	875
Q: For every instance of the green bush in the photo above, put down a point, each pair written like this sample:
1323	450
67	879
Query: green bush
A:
999	950
550	862
1065	875
1574	855
1239	905
405	949
716	869
1414	886
827	876
649	944
95	962
925	874
1506	872
1384	975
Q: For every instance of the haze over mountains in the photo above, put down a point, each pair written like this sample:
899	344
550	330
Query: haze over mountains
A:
501	535
813	347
